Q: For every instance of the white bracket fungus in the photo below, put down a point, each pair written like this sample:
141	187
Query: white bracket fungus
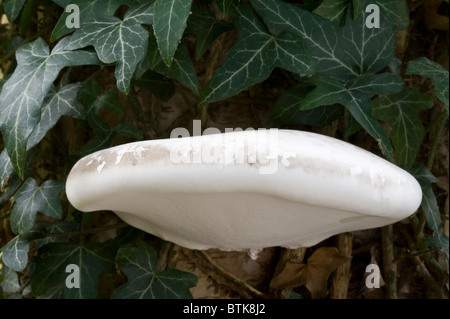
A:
244	190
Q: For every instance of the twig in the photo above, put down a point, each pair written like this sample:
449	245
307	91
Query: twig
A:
342	279
389	262
207	264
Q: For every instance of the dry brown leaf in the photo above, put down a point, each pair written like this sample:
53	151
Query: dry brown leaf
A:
313	275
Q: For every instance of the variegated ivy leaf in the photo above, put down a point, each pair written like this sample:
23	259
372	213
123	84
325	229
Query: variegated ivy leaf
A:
139	265
15	253
343	53
13	8
355	95
92	259
170	22
89	11
118	41
31	199
436	72
401	112
55	105
253	57
24	92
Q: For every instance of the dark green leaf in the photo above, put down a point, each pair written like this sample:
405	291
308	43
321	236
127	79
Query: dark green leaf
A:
358	7
253	57
92	259
355	96
122	41
429	204
15	254
396	11
13	8
224	6
157	84
57	104
181	69
24	92
436	72
401	112
27	16
61	3
336	10
203	24
139	264
439	240
339	52
286	110
89	11
170	22
93	102
333	10
31	199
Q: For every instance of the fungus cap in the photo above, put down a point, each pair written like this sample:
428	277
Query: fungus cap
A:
244	190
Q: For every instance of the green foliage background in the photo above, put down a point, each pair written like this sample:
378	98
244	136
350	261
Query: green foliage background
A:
54	109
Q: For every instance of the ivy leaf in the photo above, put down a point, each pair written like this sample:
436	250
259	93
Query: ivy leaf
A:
401	112
253	57
156	84
15	253
224	6
92	259
397	11
89	11
139	265
63	102
336	10
170	22
13	8
333	10
203	24
436	72
358	6
10	282
355	95
61	3
286	110
93	102
55	105
24	92
342	53
429	204
181	69
31	199
122	41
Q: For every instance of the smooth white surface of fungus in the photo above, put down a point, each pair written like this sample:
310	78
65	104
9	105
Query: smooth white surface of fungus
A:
244	190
